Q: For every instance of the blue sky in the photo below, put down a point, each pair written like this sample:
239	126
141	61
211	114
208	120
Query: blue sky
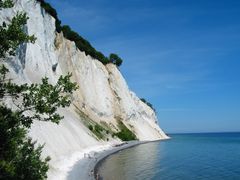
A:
181	55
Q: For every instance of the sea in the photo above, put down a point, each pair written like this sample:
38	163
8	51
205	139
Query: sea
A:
205	156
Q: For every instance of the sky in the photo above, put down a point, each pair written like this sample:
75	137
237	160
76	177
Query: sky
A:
180	55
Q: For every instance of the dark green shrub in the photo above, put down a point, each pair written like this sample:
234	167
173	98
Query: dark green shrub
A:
90	127
125	134
20	157
81	43
115	59
50	10
98	128
98	131
148	103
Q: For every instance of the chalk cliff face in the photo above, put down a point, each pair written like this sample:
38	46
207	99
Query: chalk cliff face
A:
103	95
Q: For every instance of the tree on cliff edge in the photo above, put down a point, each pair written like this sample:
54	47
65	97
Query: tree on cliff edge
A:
115	59
20	157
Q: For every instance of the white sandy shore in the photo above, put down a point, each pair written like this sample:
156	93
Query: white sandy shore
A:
84	168
62	169
83	165
80	165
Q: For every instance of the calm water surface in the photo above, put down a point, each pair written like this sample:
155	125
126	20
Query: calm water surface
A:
212	156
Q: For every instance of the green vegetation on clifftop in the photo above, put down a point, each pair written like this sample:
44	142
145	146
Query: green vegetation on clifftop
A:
148	103
81	43
50	10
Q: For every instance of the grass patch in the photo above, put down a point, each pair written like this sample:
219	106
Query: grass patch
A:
104	131
125	134
99	130
107	127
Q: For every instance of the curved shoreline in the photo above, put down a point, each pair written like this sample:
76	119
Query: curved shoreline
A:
87	168
115	150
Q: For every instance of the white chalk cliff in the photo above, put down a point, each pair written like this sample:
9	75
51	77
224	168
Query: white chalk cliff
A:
103	95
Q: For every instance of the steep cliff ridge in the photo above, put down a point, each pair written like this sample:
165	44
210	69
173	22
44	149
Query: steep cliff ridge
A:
103	97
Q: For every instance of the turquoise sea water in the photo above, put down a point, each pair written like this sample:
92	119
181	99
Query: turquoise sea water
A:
212	156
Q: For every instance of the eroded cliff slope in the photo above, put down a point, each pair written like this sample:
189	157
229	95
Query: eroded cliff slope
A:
103	97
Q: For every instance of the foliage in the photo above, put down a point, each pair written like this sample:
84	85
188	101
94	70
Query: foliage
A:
41	102
12	35
49	9
90	127
6	4
20	158
98	130
148	103
101	131
41	99
115	59
81	43
125	134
